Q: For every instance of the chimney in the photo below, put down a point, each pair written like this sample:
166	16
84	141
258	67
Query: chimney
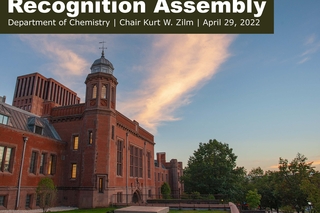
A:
3	99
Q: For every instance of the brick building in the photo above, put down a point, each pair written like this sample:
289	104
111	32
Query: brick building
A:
94	153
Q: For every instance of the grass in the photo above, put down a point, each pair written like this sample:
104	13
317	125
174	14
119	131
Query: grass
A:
104	210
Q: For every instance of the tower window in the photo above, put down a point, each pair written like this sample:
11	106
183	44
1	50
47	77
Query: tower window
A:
90	136
112	132
74	171
75	142
101	185
104	92
94	92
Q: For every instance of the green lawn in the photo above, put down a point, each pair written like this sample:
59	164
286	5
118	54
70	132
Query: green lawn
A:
105	210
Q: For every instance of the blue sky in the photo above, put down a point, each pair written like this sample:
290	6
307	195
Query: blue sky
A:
258	93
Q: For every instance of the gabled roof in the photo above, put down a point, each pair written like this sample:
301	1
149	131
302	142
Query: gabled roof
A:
23	120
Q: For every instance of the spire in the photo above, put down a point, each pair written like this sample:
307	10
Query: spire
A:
102	64
103	48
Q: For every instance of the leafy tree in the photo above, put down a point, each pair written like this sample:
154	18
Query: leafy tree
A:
268	189
253	198
46	192
291	176
212	170
311	186
165	190
265	183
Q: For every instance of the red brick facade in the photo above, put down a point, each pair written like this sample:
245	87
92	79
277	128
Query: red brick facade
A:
13	138
101	156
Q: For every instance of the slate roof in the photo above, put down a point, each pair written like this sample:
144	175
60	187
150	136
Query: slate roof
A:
156	163
26	121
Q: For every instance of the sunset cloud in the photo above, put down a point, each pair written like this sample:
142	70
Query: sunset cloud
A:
65	61
174	69
179	65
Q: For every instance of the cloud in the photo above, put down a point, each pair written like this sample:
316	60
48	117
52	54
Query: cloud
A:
64	60
64	56
314	163
174	69
312	46
179	65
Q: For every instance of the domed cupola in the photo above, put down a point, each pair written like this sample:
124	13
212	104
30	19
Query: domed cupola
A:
102	65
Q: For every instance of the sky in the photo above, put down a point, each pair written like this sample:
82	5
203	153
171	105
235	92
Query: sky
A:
259	93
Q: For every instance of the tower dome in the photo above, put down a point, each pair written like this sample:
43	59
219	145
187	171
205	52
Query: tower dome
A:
102	65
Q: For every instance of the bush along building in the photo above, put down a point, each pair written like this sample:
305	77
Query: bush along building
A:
95	155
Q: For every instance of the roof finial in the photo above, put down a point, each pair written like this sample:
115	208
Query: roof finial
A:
103	48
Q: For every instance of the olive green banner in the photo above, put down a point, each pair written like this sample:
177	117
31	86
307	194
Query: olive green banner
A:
137	16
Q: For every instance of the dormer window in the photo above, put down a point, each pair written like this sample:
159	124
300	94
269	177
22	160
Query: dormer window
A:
94	92
4	119
35	125
38	130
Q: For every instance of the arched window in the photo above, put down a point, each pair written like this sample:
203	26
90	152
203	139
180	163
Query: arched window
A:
94	92
104	92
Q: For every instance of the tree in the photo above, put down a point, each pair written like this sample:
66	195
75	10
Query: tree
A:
253	199
165	190
311	186
46	192
291	176
212	170
265	183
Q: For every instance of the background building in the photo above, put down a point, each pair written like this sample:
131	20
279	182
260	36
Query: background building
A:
94	153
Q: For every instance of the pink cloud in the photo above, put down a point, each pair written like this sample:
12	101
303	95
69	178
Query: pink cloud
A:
179	65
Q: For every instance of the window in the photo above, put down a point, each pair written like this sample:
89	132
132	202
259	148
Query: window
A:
94	92
4	119
140	162
113	97
42	163
119	197
104	92
28	201
75	142
38	200
101	185
2	200
135	161
74	171
119	157
149	193
38	130
149	164
52	165
5	158
90	136
33	162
